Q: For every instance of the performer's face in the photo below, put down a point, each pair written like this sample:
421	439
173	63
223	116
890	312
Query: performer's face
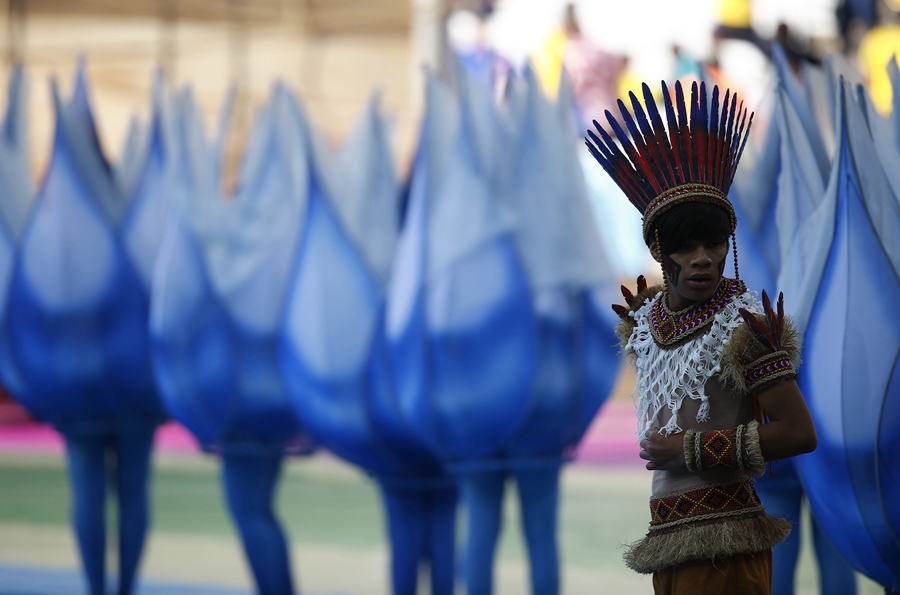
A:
693	270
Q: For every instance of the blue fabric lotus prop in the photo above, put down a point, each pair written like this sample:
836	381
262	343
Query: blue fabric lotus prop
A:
797	95
15	177
894	75
785	184
78	307
541	185
334	349
565	262
754	195
218	296
851	379
801	213
219	288
460	323
789	248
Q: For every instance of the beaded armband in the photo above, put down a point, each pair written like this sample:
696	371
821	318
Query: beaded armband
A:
768	369
734	448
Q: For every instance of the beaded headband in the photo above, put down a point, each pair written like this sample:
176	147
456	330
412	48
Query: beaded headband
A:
690	159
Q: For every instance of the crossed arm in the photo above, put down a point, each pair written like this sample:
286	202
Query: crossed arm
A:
790	431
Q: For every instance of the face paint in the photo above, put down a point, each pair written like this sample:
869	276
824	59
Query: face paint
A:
672	268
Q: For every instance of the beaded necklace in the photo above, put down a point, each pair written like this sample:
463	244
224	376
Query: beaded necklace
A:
671	328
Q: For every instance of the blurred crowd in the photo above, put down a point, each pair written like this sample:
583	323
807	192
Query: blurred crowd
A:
865	31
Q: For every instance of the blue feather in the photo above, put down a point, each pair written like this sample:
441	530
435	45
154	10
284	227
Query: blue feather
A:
730	137
714	110
657	158
723	155
629	122
617	129
660	137
738	146
610	143
670	111
658	183
616	161
695	133
712	145
704	111
646	187
674	137
741	152
600	158
684	136
600	145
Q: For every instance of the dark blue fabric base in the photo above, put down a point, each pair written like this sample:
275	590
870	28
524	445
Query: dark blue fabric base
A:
25	580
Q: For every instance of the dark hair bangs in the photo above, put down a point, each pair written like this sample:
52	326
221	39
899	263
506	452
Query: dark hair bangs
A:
692	221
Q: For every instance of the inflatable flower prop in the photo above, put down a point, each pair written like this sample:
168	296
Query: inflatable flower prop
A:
77	311
218	293
851	377
334	350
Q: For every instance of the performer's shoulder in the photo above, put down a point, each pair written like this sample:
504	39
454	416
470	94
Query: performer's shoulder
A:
743	350
628	322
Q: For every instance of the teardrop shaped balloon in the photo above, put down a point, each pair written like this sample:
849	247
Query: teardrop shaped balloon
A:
460	322
15	179
150	185
564	259
334	309
78	311
850	378
191	341
333	346
220	286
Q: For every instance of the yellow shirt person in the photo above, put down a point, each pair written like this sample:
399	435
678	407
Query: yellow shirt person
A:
875	51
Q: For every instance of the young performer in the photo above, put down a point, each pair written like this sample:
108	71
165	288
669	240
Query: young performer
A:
716	371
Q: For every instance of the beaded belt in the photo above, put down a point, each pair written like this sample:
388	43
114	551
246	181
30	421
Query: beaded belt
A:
701	504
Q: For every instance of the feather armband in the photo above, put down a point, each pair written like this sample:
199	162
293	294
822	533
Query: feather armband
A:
768	369
734	448
634	303
763	351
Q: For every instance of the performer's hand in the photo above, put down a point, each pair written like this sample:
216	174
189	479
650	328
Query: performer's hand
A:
663	452
633	300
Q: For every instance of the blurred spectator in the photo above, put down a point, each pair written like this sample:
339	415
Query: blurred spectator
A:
686	67
469	44
594	72
854	18
877	47
796	49
482	8
629	82
548	59
734	20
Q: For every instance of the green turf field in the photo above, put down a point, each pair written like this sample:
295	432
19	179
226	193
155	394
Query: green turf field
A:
333	517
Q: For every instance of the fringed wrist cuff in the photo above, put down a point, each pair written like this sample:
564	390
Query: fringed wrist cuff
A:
768	369
690	459
717	448
734	448
753	461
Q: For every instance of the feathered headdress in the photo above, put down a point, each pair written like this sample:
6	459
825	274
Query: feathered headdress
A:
690	159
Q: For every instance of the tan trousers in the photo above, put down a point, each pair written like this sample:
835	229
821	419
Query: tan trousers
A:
745	574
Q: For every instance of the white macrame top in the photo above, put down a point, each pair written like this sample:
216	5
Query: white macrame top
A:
666	376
